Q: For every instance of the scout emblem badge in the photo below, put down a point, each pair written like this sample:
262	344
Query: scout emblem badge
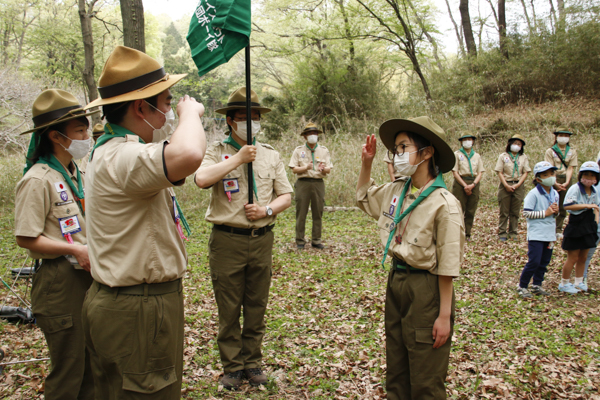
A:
230	186
69	226
393	204
302	154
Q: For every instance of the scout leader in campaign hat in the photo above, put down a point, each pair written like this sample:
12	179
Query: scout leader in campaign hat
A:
310	128
426	128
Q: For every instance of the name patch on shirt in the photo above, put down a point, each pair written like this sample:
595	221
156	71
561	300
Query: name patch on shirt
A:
69	225
63	203
387	215
231	185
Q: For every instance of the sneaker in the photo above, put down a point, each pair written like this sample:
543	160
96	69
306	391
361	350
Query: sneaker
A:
582	286
232	380
538	291
255	376
568	288
524	293
502	238
317	246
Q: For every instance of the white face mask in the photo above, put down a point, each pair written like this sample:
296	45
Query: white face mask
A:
403	165
562	140
467	144
515	148
164	132
242	129
78	148
549	181
312	139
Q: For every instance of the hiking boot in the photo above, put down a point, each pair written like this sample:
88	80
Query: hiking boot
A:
524	293
568	288
255	376
581	286
317	246
232	380
538	291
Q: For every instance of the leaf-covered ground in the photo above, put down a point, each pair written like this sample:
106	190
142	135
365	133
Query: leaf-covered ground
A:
325	337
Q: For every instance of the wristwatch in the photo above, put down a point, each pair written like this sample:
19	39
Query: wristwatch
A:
269	211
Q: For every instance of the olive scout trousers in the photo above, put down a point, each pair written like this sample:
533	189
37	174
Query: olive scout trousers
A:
468	203
56	297
240	269
135	337
415	370
510	208
309	192
562	213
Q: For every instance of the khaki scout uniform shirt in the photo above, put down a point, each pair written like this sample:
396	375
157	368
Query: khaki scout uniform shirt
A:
462	164
570	160
433	234
386	159
133	235
506	165
271	181
42	199
302	157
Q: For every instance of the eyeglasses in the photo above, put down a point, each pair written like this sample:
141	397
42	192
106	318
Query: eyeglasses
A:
237	119
399	150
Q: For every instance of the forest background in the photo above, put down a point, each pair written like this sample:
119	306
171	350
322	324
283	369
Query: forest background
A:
517	66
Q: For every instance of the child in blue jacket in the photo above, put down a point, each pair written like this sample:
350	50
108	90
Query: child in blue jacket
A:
540	209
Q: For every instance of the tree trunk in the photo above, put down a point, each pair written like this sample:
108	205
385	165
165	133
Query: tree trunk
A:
502	27
132	13
459	36
85	18
467	29
561	15
529	26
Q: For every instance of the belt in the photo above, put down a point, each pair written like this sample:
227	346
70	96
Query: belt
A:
145	289
311	179
241	231
401	266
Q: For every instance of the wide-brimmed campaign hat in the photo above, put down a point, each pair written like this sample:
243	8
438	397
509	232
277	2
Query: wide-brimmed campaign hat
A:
311	128
54	106
467	136
562	129
237	101
426	128
517	136
131	75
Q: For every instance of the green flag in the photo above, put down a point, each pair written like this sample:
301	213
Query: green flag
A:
218	30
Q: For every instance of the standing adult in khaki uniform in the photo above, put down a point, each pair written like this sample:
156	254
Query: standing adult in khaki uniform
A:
421	227
133	313
564	157
391	168
97	131
512	168
50	224
467	172
241	241
311	162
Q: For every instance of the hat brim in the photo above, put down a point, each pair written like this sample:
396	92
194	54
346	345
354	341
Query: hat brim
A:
310	131
467	136
445	158
144	93
263	110
519	139
559	132
553	168
67	117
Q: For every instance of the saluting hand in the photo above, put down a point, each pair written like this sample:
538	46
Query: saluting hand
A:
189	105
369	149
247	154
254	211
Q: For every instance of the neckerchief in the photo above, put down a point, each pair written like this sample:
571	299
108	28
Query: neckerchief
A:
312	153
236	145
112	131
471	154
516	163
438	183
559	151
51	161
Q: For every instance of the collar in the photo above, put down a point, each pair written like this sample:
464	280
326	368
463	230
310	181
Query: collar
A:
230	140
541	189
312	150
582	189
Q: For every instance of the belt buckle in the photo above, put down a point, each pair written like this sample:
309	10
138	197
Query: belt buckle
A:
254	232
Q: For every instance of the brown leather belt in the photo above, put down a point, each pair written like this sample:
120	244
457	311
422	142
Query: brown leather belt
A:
145	289
241	231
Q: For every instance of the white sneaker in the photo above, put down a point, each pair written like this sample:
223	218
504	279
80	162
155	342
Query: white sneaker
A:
581	286
568	288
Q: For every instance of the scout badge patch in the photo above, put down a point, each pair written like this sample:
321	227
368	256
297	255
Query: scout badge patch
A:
69	226
393	204
64	196
225	157
230	186
302	154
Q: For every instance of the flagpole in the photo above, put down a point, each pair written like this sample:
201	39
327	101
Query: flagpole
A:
249	124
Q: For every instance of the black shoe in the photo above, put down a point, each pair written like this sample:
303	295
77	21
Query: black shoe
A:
232	380
255	376
300	246
317	246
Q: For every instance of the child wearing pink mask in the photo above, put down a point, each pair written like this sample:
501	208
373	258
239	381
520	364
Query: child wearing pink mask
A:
582	202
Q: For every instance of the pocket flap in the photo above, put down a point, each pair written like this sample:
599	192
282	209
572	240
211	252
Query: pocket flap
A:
65	211
149	382
266	174
54	324
424	335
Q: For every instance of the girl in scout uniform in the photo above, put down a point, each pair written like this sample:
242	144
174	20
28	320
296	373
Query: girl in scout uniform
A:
593	249
311	162
467	175
421	227
582	202
540	209
564	158
512	168
50	224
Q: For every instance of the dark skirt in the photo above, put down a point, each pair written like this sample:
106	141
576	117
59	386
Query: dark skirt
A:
581	232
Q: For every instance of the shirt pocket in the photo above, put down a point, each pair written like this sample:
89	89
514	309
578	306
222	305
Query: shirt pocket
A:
419	248
264	184
65	211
